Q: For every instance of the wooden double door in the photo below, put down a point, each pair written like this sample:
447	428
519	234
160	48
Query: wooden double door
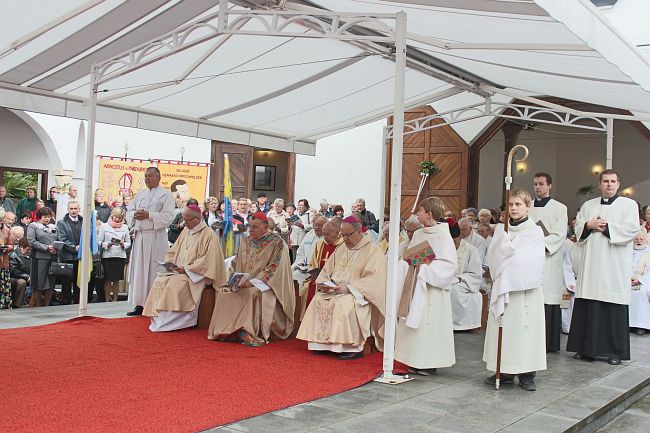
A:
448	150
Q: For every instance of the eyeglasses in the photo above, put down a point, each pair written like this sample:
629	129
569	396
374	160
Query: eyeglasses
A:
347	235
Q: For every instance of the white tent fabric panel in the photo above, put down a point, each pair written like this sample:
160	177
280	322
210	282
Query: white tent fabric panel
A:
284	87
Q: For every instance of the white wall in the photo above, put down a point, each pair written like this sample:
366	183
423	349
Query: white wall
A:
568	155
346	166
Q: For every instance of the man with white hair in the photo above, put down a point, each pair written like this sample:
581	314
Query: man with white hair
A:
194	261
640	298
367	218
468	235
9	219
466	300
325	208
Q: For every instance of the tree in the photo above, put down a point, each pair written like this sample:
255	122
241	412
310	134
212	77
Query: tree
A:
17	182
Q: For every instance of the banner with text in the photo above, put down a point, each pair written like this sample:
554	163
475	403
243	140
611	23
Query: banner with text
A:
120	177
184	179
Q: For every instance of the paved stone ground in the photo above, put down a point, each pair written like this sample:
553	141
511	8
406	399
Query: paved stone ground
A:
636	419
454	400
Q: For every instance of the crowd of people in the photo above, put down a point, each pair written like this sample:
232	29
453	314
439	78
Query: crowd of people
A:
544	273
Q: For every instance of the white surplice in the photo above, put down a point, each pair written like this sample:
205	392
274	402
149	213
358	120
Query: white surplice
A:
303	256
516	260
554	217
466	300
640	298
606	262
571	264
425	339
150	241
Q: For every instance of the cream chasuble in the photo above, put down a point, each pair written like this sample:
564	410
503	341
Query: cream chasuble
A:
516	260
466	300
150	241
198	251
256	312
606	262
343	322
554	217
425	338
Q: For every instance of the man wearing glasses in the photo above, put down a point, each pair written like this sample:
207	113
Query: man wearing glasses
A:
350	298
194	261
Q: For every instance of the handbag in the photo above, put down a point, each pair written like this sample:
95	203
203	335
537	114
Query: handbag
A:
61	269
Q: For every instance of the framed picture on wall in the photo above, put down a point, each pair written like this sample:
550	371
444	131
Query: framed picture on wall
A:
264	177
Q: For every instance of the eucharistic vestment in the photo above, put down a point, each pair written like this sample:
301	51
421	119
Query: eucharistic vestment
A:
640	296
342	322
173	301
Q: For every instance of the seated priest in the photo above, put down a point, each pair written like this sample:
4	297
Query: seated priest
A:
194	261
349	304
466	300
260	297
321	253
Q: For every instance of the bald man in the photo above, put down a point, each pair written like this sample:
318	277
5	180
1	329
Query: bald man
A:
194	261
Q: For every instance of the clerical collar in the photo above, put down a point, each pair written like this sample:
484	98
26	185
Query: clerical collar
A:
541	202
514	223
75	219
608	201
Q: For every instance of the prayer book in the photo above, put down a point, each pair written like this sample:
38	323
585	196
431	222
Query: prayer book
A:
302	268
420	254
293	218
331	285
115	241
58	245
167	265
261	285
543	227
233	281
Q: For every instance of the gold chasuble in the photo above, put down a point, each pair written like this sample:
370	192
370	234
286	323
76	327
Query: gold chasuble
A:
343	322
197	251
320	255
258	312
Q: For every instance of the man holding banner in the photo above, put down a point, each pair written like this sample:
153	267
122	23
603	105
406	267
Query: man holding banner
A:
149	214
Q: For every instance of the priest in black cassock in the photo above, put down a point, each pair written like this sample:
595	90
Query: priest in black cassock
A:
606	227
551	215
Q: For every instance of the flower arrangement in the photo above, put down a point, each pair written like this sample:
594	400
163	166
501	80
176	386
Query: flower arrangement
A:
427	168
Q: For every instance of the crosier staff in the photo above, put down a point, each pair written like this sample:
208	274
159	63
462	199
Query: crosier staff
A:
508	181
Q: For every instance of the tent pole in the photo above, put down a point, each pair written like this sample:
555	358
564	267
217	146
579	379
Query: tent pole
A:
610	143
382	187
395	203
86	259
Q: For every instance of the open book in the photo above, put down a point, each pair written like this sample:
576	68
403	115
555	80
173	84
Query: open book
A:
169	266
233	281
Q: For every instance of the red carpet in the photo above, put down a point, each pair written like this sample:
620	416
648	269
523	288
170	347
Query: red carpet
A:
113	375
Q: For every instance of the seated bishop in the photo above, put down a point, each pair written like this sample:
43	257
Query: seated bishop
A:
348	306
194	261
322	251
262	300
466	299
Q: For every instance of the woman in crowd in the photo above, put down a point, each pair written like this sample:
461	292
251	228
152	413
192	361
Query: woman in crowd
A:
6	247
338	211
212	212
114	239
41	236
279	217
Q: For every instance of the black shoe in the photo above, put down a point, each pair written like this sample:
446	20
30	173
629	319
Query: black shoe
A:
640	331
321	352
583	357
137	311
614	360
347	356
505	379
423	371
527	381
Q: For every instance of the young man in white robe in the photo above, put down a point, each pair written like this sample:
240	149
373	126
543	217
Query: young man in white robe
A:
571	253
425	331
466	299
306	249
149	214
606	227
640	298
551	215
195	260
516	260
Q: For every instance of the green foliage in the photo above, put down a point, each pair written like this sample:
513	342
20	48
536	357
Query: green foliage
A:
17	182
586	190
429	167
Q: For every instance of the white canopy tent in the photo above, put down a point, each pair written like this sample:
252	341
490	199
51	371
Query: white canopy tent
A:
281	74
